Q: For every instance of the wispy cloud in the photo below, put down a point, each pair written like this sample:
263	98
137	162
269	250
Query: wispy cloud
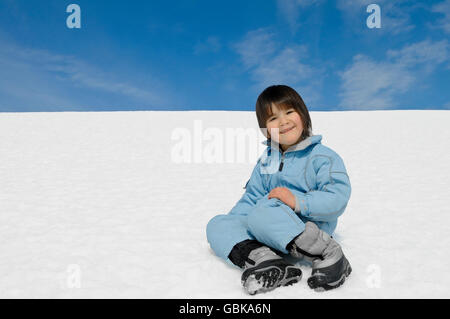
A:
33	78
395	15
290	10
369	84
427	54
212	44
269	62
444	9
256	47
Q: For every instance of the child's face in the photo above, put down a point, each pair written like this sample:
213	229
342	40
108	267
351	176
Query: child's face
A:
289	124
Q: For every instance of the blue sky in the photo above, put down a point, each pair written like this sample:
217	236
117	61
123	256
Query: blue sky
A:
219	55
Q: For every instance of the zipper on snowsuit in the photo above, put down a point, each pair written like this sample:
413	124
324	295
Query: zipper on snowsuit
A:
281	163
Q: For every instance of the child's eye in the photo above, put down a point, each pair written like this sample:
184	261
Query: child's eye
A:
271	119
290	111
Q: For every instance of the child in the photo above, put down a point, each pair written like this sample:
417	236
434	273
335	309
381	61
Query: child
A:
290	210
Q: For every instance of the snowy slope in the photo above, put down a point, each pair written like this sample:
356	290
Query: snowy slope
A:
93	205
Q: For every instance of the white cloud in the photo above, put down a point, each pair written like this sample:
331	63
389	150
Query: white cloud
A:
426	53
39	78
21	85
367	83
284	66
443	8
256	47
269	63
290	10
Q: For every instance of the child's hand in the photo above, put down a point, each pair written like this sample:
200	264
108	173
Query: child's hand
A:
283	194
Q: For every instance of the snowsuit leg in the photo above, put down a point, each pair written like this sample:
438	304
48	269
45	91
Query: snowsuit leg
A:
274	224
225	231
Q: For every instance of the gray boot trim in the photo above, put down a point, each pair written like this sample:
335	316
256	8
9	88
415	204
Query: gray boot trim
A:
332	254
313	240
316	242
259	255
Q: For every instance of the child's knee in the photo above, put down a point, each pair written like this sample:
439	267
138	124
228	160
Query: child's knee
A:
214	225
260	217
265	201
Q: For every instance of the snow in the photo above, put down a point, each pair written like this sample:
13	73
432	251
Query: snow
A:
93	205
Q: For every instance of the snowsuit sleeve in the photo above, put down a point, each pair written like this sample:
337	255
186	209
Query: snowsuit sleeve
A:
327	199
254	190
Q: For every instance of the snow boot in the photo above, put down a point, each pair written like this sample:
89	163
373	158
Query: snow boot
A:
329	265
265	271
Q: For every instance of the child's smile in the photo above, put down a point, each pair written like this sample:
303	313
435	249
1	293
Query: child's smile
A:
287	130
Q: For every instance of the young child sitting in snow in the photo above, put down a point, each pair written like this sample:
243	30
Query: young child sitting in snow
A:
290	210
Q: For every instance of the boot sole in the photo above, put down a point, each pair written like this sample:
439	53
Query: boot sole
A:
253	284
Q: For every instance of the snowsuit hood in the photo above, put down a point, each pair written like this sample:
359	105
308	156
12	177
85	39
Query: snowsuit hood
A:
314	139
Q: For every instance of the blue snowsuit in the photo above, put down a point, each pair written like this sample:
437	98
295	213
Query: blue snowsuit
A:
314	173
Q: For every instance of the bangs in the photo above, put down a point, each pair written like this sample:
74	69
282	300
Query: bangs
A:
267	111
282	106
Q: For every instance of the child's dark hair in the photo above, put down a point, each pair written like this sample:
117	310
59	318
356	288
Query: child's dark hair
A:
283	97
